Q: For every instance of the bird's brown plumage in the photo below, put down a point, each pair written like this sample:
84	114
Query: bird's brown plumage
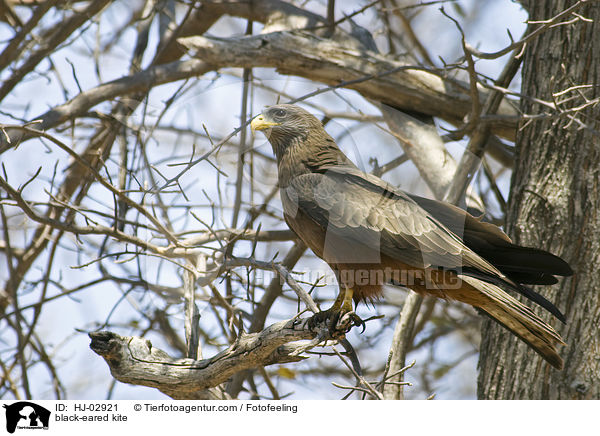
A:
371	233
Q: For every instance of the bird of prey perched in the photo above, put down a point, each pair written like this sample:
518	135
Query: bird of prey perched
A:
371	233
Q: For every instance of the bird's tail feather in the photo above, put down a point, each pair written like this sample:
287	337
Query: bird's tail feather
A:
517	318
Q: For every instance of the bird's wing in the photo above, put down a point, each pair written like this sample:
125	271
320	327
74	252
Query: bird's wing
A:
361	207
521	264
367	210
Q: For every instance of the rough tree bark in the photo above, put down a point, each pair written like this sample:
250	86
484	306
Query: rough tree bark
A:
555	205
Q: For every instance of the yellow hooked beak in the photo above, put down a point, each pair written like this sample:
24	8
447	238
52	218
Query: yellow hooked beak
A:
259	123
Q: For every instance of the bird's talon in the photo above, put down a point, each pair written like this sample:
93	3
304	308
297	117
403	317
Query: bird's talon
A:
349	320
337	321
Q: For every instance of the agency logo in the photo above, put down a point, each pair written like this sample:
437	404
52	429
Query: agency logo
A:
26	415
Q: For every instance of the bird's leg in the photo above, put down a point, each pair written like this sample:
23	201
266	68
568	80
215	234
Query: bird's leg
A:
347	318
343	301
340	317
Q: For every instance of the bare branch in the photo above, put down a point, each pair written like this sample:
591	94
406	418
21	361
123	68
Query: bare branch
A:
60	34
134	360
546	24
82	103
394	83
401	344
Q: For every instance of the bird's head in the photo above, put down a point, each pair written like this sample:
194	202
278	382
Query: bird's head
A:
286	125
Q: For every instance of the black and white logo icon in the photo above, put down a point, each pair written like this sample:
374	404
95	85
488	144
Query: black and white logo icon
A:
26	415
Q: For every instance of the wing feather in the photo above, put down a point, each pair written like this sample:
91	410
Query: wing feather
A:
364	208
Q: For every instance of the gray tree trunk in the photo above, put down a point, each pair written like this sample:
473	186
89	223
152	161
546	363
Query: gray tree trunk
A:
555	205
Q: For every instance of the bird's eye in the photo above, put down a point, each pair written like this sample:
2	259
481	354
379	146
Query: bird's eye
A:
280	113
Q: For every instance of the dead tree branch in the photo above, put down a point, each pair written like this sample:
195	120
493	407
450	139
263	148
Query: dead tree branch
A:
400	85
134	360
